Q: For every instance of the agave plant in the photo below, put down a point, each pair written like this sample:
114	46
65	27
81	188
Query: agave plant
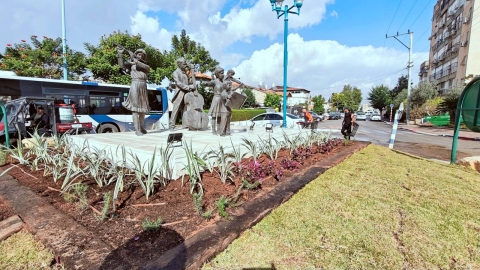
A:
225	163
195	165
270	147
252	148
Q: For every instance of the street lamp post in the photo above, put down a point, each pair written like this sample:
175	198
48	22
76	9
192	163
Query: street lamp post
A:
277	7
64	43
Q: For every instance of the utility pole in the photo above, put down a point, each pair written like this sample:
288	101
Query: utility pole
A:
410	65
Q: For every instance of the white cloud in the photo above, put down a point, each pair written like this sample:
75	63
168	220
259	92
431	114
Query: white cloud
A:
325	66
151	31
206	24
86	20
334	14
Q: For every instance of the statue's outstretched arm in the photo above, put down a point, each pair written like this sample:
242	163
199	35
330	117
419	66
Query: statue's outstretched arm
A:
144	67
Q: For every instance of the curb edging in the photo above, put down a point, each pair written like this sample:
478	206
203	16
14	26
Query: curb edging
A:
437	135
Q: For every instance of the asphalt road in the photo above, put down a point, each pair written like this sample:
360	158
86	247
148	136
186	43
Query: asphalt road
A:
415	143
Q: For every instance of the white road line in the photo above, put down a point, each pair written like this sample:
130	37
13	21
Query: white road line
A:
384	132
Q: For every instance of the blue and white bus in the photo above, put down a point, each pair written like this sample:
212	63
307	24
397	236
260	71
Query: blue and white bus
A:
98	103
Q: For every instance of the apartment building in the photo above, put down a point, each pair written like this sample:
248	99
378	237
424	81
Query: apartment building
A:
295	95
423	74
454	43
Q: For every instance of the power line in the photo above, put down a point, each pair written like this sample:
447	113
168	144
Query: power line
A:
394	15
407	15
420	13
368	80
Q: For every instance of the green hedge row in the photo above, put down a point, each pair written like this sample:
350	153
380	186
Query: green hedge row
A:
245	114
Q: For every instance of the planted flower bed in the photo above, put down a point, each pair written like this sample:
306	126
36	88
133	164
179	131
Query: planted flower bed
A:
138	208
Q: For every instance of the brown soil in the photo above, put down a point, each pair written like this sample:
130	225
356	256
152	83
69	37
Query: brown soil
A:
5	210
428	151
123	229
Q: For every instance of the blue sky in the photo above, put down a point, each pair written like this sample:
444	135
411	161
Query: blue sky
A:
331	43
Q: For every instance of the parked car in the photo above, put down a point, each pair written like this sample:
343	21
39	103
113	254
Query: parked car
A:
375	117
316	116
334	116
326	116
361	116
276	119
342	115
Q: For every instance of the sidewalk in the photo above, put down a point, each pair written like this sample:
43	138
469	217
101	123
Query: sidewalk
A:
439	131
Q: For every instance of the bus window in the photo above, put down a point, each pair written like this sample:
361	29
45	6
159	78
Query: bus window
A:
155	102
104	105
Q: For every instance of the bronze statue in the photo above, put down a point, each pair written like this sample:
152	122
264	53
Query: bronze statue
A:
187	99
226	117
217	107
137	99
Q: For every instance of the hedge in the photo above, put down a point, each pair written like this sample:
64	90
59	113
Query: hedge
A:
245	114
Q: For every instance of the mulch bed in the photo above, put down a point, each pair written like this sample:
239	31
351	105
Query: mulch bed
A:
123	229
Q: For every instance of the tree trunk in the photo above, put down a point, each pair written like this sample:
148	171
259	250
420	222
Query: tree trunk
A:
452	117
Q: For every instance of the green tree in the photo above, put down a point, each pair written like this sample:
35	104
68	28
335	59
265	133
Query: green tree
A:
184	46
401	85
250	102
318	104
103	60
273	100
350	97
422	92
42	59
379	97
207	95
450	102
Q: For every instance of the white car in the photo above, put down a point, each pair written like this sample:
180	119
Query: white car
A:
375	117
361	116
276	119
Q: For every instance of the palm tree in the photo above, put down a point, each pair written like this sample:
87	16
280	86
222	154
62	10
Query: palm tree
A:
450	102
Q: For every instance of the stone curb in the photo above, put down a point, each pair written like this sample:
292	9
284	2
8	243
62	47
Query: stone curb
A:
437	135
53	228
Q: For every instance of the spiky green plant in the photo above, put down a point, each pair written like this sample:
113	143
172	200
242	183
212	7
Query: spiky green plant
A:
107	197
195	165
251	147
222	205
225	163
148	225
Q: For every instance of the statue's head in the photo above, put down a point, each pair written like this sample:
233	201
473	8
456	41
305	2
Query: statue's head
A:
181	63
230	73
141	54
219	72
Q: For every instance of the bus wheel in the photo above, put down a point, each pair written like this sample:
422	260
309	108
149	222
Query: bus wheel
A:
108	128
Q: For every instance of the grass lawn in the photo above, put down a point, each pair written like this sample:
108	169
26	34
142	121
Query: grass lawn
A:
377	210
21	251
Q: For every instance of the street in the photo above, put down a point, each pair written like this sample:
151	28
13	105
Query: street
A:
427	146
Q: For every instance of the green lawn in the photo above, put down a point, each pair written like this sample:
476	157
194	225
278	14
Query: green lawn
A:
21	251
377	210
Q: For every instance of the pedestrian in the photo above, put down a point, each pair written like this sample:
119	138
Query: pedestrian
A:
308	118
347	124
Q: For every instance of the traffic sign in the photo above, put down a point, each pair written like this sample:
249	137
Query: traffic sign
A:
391	105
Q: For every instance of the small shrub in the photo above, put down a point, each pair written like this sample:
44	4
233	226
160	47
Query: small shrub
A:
253	171
197	202
77	192
208	214
222	204
148	225
291	165
249	186
107	197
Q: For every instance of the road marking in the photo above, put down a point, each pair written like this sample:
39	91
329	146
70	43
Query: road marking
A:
379	131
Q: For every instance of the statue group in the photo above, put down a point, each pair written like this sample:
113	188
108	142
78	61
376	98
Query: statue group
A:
186	98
